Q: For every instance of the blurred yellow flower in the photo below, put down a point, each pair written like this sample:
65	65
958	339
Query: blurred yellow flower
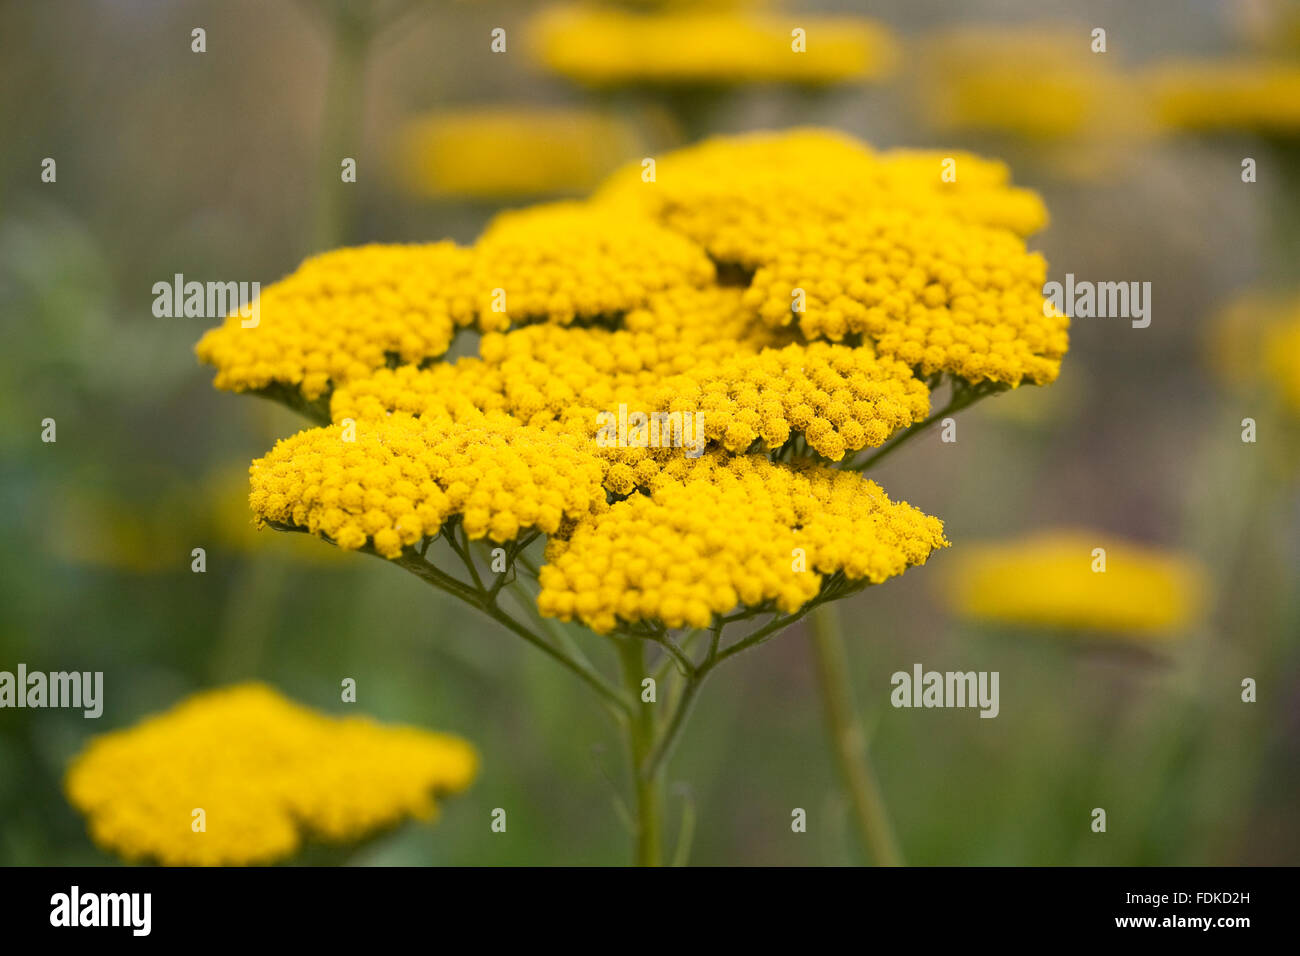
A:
1053	581
1214	95
1254	342
605	47
1036	82
1282	361
513	152
265	772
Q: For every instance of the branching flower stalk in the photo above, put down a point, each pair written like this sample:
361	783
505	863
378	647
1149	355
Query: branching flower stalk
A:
802	356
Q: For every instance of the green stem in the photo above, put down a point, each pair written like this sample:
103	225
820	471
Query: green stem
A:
350	31
647	782
483	602
848	741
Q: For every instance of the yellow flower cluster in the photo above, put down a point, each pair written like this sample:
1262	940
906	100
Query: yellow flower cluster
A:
1205	96
605	47
679	556
591	310
513	152
265	772
342	315
1049	581
935	293
851	242
839	398
735	195
399	479
573	260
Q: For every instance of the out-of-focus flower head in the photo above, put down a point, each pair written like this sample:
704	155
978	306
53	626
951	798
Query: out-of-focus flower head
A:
604	46
1254	343
267	774
513	152
1209	96
1053	581
1040	83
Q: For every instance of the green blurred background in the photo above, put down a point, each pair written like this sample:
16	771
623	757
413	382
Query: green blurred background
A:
220	166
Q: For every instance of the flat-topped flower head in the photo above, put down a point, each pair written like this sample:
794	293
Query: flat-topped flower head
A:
702	347
567	261
401	478
1211	96
607	47
1059	581
267	775
847	243
931	291
735	195
1039	82
723	531
343	314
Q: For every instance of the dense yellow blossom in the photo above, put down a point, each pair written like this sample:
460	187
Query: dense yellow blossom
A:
845	280
266	773
401	478
573	260
341	315
608	47
678	555
735	195
839	398
850	242
1210	95
938	294
508	152
1048	581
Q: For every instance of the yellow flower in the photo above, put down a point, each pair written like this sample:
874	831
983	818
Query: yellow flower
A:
1048	581
590	310
508	152
851	243
722	531
1213	95
607	47
1039	82
265	772
1255	341
571	260
402	478
341	315
1282	361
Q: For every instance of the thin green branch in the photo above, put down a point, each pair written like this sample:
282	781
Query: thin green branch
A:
848	742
